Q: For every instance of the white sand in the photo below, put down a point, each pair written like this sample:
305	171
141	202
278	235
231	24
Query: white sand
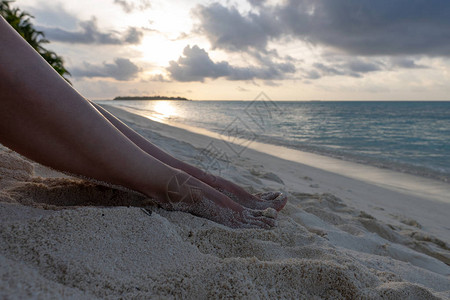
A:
337	238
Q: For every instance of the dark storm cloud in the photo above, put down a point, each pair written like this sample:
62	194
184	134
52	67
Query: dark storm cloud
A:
360	27
196	65
89	33
122	69
130	6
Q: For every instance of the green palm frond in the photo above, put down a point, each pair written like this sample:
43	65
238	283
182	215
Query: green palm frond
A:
21	22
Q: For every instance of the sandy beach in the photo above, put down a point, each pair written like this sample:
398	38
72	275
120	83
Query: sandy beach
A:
342	235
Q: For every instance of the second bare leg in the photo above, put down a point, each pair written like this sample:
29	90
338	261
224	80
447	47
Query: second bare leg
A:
274	200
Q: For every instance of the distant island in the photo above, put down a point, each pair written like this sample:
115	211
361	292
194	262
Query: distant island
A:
150	98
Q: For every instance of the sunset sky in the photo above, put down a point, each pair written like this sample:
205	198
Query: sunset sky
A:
233	50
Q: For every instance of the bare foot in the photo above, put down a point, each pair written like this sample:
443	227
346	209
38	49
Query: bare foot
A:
275	200
260	201
188	194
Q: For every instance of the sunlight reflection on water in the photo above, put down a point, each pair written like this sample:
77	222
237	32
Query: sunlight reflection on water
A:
164	110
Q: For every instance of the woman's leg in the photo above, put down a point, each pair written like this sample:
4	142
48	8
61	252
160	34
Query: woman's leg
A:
45	119
238	194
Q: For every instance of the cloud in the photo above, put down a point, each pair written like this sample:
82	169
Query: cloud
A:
357	27
351	67
324	70
130	6
241	89
406	63
257	3
358	66
227	29
121	69
132	36
366	27
312	74
158	78
89	33
51	14
196	65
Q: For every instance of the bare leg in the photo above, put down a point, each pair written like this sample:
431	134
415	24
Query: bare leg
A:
235	192
45	119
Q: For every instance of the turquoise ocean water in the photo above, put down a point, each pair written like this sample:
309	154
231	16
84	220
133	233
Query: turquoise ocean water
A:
410	137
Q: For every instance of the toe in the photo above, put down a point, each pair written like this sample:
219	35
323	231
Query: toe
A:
269	196
280	201
268	212
275	200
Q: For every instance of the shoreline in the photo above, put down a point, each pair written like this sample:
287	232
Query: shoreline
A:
338	237
429	173
424	187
